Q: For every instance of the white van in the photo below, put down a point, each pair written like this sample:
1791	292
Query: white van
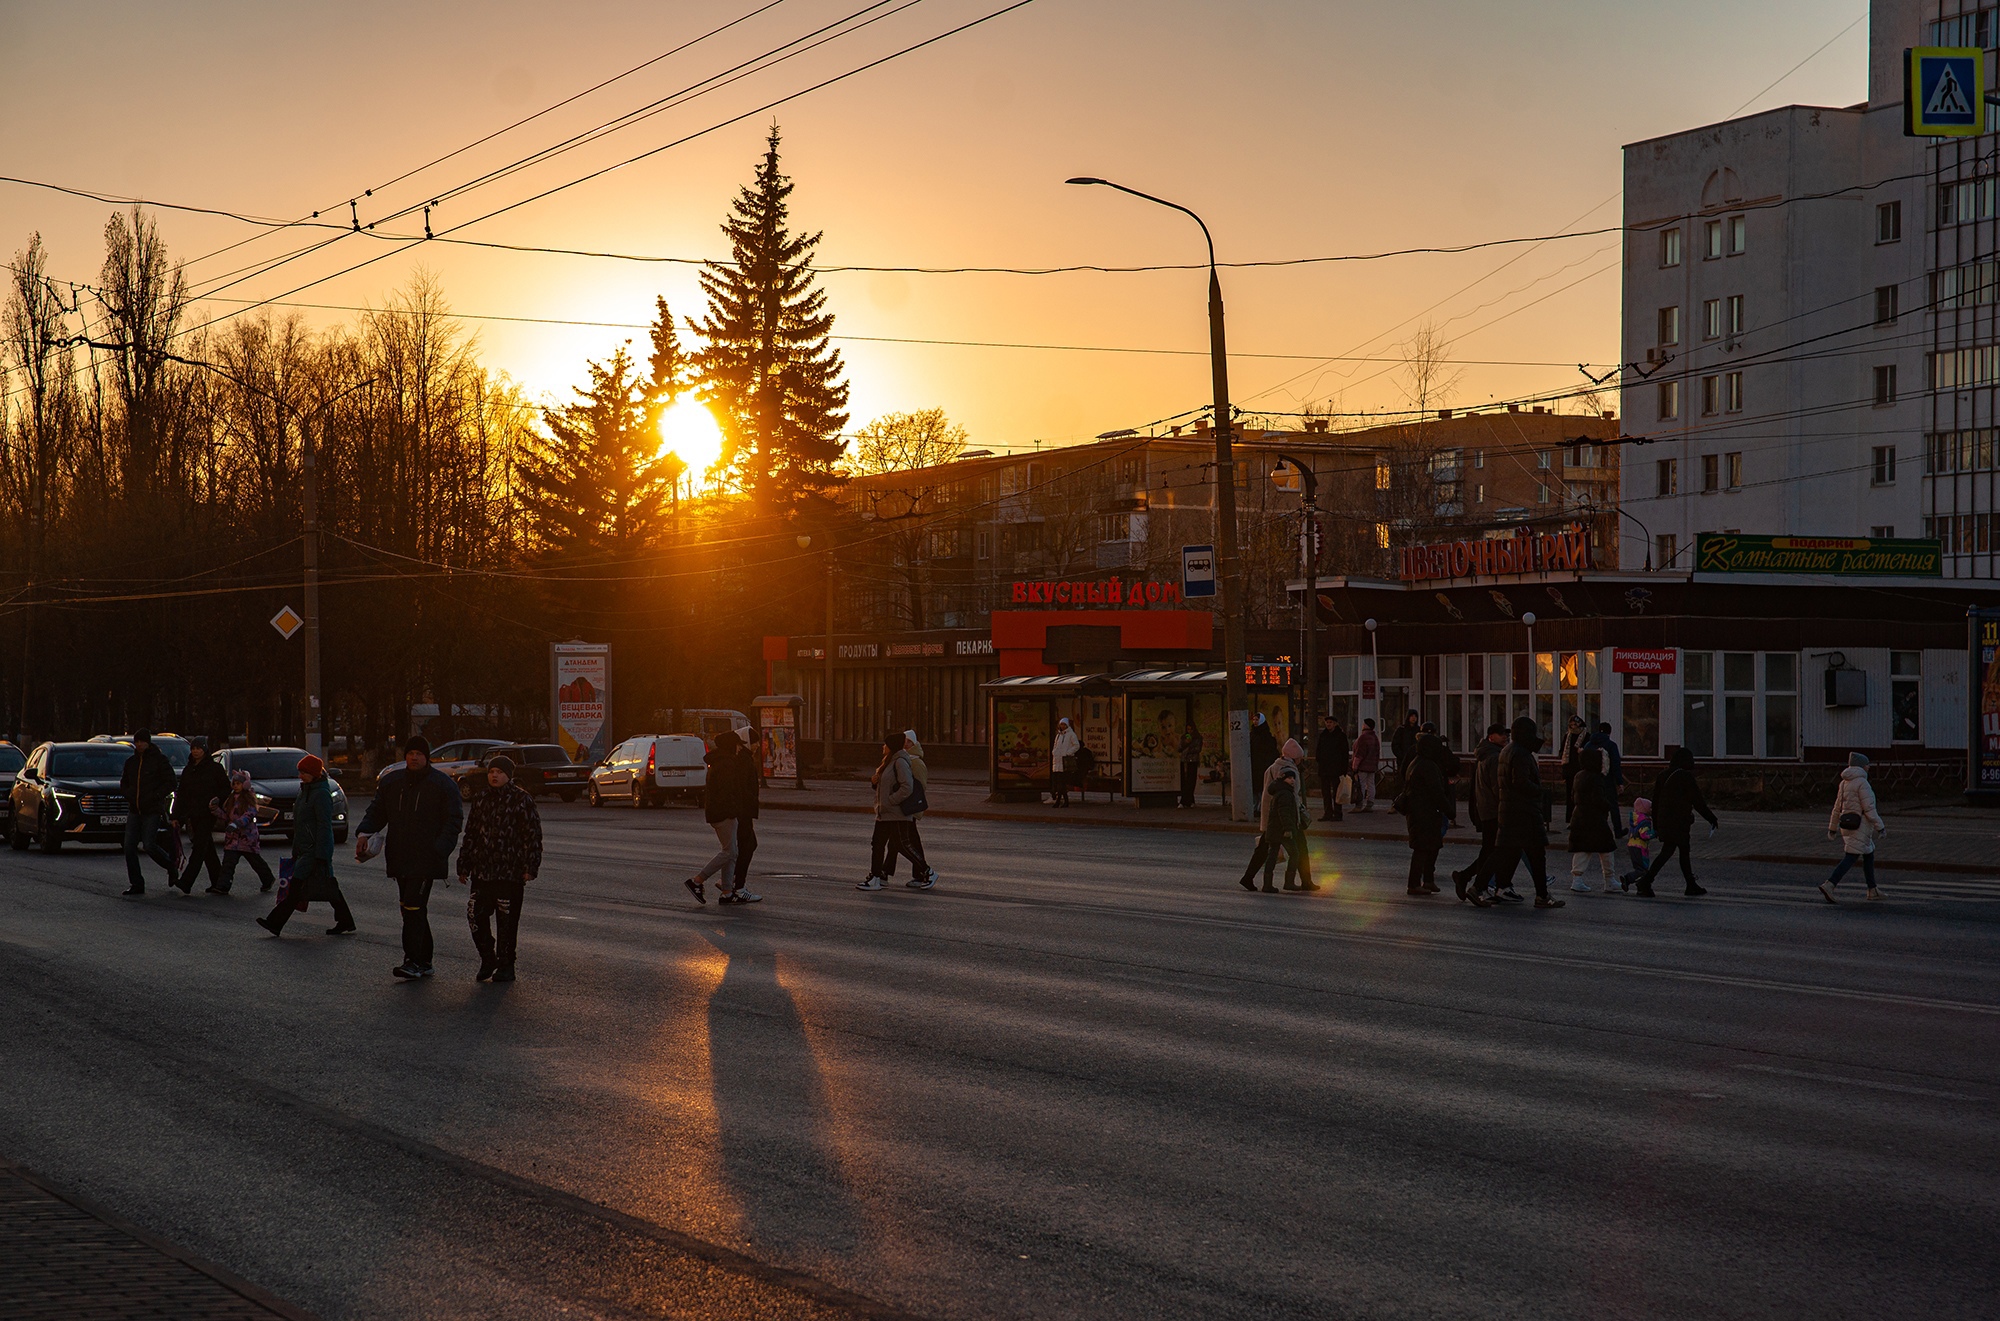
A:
650	770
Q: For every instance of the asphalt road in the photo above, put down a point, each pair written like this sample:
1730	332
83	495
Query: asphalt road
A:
1087	1076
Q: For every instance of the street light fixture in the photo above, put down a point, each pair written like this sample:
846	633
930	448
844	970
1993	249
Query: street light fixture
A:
1236	693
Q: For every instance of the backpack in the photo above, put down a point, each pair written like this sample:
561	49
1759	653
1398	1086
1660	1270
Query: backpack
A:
917	803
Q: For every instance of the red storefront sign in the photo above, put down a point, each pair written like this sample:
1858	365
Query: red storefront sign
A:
1631	661
1528	552
1097	591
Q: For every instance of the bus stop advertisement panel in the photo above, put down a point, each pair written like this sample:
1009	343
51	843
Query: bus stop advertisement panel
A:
580	699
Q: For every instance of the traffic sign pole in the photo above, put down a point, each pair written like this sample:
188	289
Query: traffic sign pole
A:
309	464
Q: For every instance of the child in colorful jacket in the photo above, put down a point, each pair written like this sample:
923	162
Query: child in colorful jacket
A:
240	837
1639	847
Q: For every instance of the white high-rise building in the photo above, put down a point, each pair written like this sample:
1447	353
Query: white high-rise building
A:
1810	323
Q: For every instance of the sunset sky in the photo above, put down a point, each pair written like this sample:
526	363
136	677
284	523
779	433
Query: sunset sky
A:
1296	129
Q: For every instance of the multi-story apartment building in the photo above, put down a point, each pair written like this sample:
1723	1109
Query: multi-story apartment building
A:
1809	334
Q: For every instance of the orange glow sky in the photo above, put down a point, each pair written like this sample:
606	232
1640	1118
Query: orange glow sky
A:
1297	128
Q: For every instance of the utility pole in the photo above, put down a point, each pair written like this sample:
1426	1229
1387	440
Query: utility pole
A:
1229	564
309	471
826	688
1309	563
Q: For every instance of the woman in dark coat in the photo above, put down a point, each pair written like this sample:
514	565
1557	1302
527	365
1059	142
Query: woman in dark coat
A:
312	855
1593	819
1676	800
1426	805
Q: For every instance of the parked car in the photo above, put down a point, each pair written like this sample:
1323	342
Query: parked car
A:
453	758
69	792
540	768
12	759
175	748
274	778
649	770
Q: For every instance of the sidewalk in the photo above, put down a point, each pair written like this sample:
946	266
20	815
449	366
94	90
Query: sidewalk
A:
62	1259
1950	838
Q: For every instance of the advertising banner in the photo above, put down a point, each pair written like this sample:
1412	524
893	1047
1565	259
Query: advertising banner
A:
1983	773
580	698
1633	660
1021	742
1157	725
1873	557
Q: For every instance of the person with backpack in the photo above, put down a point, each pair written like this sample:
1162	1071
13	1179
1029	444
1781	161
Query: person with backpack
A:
241	839
1593	821
501	853
899	798
1676	801
1425	802
419	806
722	803
1857	823
312	856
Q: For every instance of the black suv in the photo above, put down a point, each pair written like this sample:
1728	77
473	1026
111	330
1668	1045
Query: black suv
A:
69	791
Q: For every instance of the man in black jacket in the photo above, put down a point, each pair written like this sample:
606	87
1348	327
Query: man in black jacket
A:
749	779
203	784
1524	813
148	785
419	806
1676	799
1330	750
1403	744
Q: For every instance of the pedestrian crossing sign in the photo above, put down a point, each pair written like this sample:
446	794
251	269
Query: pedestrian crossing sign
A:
1944	92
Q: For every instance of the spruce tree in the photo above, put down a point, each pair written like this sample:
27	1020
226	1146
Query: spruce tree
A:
669	361
766	366
596	488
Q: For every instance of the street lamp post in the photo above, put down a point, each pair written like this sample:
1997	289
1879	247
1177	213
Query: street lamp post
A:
1236	699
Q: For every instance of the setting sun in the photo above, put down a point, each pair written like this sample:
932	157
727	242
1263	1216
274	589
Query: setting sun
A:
688	429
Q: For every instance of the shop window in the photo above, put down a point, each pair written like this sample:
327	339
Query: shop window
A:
1906	696
1698	702
1781	704
1642	718
1739	704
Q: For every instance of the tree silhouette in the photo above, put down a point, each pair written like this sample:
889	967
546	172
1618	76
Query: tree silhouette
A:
766	366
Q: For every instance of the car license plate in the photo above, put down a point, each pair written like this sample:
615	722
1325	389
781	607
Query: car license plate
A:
115	820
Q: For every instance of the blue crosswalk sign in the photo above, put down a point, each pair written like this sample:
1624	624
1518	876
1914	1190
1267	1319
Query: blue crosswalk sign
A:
1944	92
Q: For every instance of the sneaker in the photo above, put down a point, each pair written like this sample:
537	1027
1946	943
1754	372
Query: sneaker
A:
928	880
1512	896
872	883
405	970
1874	894
1544	901
744	895
1579	887
725	897
426	970
697	889
1826	892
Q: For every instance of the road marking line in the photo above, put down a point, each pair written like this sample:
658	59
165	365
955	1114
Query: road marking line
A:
1858	1082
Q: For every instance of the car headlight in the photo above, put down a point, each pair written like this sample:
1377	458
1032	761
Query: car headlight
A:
264	800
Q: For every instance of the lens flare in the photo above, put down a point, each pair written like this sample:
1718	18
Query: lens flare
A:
689	430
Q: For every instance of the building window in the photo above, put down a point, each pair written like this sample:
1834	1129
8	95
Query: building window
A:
1541	493
1698	703
1889	222
1382	536
1885	385
1739	230
1969	285
1736	314
1711	473
1711	394
1781	704
1667	549
1906	696
1885	531
1711	319
1670	400
1670	247
1542	459
1739	703
1712	233
1479	458
1958	368
1966	201
1885	466
1732	392
1670	476
1479	493
1732	470
1382	475
1670	325
985	544
1885	304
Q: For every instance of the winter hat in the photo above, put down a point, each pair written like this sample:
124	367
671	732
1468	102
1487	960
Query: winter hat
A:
1642	807
417	744
1524	730
1292	751
142	736
1856	759
239	779
311	767
505	765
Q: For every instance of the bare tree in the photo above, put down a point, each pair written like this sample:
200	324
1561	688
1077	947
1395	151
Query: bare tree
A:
903	442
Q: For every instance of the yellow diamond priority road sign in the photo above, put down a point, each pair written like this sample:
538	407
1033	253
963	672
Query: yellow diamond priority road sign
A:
287	621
